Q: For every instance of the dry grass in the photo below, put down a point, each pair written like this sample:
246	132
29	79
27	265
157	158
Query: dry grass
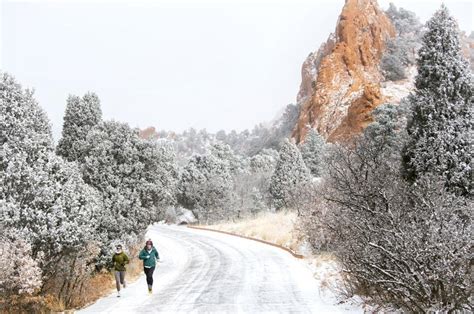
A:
277	228
29	304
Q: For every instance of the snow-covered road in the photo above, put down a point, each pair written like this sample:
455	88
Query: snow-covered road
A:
204	271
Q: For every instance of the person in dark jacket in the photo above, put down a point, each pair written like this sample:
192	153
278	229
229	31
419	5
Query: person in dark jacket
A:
150	256
119	259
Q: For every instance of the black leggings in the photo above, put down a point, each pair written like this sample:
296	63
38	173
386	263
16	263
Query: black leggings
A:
149	275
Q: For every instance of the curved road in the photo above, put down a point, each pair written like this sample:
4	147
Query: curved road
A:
204	271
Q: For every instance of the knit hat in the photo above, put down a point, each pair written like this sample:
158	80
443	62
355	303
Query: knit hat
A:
149	242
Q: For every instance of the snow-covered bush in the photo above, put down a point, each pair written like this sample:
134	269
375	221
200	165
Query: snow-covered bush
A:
401	244
290	176
408	245
441	125
20	272
386	134
82	114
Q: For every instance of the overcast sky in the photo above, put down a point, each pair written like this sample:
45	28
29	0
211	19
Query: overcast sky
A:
174	64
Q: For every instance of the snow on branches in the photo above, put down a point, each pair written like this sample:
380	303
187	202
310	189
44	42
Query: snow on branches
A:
441	126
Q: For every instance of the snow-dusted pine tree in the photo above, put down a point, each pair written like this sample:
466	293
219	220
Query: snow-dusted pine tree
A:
290	176
135	177
24	127
205	187
440	129
160	174
312	150
42	186
80	117
225	154
41	193
265	161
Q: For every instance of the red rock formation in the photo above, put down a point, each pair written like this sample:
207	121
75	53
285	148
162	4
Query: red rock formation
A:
345	87
467	46
148	133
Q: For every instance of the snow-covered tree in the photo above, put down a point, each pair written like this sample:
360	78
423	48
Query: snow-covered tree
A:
55	206
40	193
24	127
264	161
401	50
205	187
81	115
389	128
312	150
251	182
159	177
262	167
404	21
290	176
441	126
135	178
41	184
224	153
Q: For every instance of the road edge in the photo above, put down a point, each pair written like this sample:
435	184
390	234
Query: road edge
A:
294	254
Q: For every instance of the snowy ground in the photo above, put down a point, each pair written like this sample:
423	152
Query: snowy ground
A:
205	271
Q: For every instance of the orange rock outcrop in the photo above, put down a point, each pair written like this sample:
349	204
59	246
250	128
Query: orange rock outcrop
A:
345	87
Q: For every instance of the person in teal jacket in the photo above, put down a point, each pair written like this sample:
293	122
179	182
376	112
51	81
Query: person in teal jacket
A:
150	256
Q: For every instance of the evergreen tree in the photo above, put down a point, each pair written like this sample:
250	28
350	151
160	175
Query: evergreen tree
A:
289	177
205	187
312	151
80	117
135	178
39	191
24	127
225	154
441	126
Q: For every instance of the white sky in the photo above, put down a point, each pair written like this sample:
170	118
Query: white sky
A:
174	64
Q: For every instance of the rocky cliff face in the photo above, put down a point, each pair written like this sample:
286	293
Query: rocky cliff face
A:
341	83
